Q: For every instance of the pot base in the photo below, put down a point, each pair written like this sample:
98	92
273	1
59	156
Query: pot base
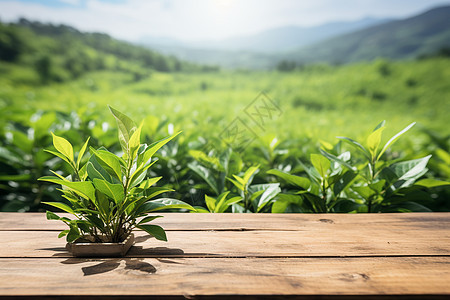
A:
101	249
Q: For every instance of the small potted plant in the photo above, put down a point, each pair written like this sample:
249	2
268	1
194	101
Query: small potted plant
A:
110	195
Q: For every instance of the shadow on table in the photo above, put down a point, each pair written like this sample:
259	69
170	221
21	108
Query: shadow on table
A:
110	264
131	263
134	260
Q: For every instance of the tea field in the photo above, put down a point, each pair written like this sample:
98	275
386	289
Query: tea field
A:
251	141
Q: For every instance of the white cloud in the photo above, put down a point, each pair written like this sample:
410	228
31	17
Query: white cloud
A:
204	19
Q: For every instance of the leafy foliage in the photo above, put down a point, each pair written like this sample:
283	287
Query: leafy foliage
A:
110	195
341	183
86	71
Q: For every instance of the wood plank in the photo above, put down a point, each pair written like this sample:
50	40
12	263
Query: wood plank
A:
186	221
342	241
195	276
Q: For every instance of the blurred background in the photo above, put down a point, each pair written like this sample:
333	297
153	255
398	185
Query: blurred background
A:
327	68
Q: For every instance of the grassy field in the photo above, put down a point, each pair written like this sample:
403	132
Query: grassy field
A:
320	101
313	106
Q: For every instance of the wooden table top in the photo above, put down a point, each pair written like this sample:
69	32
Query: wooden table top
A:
250	255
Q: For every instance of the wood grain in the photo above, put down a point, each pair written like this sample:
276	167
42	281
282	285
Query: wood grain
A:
220	276
337	240
211	255
187	222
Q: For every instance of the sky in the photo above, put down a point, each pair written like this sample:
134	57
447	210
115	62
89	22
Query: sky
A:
194	20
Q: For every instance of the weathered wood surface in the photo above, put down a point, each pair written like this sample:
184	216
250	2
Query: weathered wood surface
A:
332	241
239	254
249	276
285	222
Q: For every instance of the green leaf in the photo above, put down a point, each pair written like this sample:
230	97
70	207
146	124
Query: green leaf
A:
337	159
102	204
237	182
135	141
382	123
59	176
210	203
318	204
97	173
59	155
284	200
63	146
61	206
160	204
221	207
155	191
206	175
155	147
113	191
51	215
364	191
81	153
155	231
148	219
320	163
73	234
270	191
409	206
139	174
431	183
149	182
222	204
249	174
374	140
378	186
199	209
298	181
110	162
355	144
18	177
394	139
345	206
95	221
279	207
410	169
224	159
84	188
63	233
126	128
311	172
343	182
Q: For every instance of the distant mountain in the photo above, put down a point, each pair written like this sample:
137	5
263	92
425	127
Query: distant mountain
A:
338	42
254	51
402	39
291	37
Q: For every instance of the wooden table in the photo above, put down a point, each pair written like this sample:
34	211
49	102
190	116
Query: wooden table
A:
251	255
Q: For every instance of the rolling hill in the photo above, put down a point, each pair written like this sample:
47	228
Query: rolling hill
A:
401	39
60	53
280	39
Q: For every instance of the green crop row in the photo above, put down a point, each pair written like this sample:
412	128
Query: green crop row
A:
290	158
281	176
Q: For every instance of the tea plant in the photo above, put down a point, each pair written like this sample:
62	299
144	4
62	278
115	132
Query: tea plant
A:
254	197
220	204
215	167
322	191
111	195
387	185
341	183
